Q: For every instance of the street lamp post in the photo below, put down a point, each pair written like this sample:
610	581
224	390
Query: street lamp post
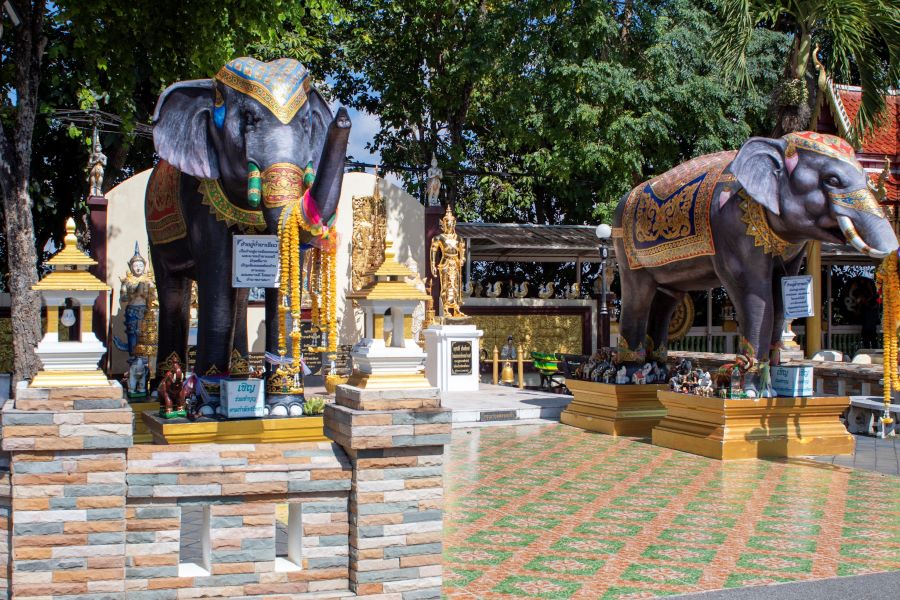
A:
604	233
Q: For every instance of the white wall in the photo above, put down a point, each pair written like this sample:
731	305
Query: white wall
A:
124	226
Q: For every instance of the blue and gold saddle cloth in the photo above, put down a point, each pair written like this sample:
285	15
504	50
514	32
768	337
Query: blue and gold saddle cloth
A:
666	219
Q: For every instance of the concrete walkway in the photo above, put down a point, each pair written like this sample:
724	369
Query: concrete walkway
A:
503	405
872	454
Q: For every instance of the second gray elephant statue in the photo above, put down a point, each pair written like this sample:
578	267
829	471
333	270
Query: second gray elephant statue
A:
740	220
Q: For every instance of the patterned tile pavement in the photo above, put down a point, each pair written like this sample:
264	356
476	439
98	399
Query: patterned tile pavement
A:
550	511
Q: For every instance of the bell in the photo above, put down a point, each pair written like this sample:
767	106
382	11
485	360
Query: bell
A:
506	375
68	317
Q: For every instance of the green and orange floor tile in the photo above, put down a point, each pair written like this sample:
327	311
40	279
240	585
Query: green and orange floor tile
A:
552	512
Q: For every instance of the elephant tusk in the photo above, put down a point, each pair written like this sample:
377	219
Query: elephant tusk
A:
853	237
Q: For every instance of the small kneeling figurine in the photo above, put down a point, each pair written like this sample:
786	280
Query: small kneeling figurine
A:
173	392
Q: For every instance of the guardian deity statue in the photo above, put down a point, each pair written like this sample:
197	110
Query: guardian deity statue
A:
138	291
96	165
449	270
433	188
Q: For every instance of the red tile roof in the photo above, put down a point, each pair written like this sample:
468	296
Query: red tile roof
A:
884	140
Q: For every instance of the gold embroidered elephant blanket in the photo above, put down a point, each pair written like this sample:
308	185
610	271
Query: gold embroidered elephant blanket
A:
666	219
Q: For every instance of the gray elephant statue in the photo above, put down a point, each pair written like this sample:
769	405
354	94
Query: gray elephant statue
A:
237	151
740	219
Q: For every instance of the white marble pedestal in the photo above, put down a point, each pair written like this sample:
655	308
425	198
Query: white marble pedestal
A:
453	355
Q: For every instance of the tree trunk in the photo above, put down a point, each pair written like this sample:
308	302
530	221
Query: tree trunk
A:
15	167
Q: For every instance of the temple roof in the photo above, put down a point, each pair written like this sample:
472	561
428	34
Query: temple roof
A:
842	103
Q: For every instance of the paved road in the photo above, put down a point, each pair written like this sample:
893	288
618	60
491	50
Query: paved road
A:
879	586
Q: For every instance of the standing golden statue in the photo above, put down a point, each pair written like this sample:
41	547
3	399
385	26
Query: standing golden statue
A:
449	270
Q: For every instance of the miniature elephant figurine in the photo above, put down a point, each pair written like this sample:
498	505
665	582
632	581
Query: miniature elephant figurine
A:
238	151
740	219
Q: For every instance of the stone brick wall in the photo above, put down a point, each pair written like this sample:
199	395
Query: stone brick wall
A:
86	515
67	493
240	487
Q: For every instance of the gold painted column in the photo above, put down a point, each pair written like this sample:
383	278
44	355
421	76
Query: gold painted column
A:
814	323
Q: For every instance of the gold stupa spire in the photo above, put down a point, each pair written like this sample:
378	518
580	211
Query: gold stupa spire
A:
70	268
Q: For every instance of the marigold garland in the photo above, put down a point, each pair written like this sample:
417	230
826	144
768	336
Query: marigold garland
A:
314	275
889	289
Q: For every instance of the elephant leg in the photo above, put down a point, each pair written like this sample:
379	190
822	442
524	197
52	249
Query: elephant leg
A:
638	291
215	326
791	269
661	310
240	321
174	293
755	314
272	325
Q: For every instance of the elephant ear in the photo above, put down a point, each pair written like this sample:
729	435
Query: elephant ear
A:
759	167
181	132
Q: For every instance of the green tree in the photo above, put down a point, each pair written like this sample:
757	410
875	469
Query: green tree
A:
585	99
122	55
861	39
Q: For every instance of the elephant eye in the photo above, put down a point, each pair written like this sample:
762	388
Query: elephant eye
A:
251	119
833	181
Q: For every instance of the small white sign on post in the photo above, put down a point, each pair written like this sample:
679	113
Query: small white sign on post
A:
243	398
254	261
797	294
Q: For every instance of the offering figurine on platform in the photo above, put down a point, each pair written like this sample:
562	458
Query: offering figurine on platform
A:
173	392
448	270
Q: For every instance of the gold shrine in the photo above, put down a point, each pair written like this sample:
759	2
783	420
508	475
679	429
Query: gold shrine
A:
388	357
69	286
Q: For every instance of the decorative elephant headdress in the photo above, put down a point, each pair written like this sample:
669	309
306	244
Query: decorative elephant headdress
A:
281	85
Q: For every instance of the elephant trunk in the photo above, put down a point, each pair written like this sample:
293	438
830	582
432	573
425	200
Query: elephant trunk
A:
326	190
862	222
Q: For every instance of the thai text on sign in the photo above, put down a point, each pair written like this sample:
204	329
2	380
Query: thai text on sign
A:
797	293
461	358
254	261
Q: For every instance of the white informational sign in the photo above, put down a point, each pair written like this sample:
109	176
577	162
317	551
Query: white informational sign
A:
797	293
254	262
243	398
792	382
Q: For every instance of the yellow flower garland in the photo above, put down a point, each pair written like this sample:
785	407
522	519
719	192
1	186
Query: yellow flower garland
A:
320	284
889	282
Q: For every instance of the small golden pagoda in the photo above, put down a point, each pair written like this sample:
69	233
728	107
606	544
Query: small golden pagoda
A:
388	357
70	363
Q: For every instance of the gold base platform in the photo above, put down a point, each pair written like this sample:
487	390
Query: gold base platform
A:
613	409
726	429
57	379
141	432
243	431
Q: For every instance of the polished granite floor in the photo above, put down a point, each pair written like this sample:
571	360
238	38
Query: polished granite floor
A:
550	511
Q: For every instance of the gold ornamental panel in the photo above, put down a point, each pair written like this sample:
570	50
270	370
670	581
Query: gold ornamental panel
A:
536	333
369	231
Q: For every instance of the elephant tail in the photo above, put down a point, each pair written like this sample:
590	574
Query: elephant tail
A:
119	344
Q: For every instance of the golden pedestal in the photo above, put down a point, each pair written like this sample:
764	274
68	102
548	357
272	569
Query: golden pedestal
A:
142	434
725	429
613	409
237	431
